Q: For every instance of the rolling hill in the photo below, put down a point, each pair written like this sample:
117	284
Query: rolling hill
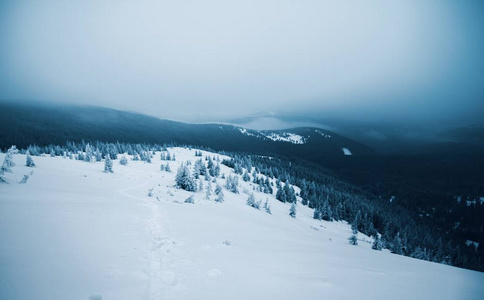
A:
44	124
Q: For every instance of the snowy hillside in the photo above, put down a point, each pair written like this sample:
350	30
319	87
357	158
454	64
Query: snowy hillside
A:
74	232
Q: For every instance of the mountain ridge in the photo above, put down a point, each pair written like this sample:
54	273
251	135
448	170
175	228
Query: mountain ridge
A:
56	124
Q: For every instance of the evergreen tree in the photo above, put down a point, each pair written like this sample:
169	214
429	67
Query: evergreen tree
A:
246	176
167	168
317	214
220	196
184	180
216	171
210	167
108	164
281	194
80	156
8	161
218	189
267	207
190	199
89	153
97	155
251	200
377	243
292	210
353	240
232	184
208	191
29	161
354	225
123	160
397	245
326	213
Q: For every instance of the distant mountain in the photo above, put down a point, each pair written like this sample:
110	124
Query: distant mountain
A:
41	124
468	134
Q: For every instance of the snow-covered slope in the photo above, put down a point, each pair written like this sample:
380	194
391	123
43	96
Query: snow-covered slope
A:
74	232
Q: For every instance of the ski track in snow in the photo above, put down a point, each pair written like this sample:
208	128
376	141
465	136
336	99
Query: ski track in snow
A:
160	274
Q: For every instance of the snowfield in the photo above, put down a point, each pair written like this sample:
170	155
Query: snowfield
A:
287	137
277	137
75	232
346	151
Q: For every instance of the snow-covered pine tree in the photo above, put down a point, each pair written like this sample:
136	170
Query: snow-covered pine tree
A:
251	200
267	206
326	213
220	196
234	188
246	176
97	155
29	162
356	221
218	189
397	245
292	211
184	179
216	170
208	191
8	161
232	184
196	168
167	167
89	153
123	160
290	193
353	240
108	164
80	156
281	194
190	199
317	214
377	243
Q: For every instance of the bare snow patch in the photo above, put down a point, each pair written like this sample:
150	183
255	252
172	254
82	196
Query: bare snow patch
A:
469	243
287	137
346	151
328	136
245	132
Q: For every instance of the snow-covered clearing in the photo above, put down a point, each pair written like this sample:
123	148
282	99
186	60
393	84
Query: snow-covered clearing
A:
346	151
74	232
287	137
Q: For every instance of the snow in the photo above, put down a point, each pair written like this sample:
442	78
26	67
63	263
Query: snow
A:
287	137
75	232
346	151
475	244
328	136
245	132
276	137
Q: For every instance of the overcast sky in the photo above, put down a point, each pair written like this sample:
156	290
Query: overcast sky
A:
218	60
